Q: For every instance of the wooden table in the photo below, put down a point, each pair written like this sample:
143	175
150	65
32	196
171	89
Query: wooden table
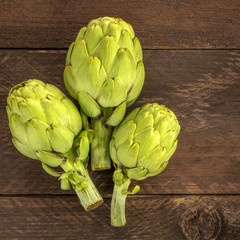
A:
192	61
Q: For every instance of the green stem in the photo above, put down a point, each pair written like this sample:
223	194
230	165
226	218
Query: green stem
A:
89	196
86	191
118	218
100	158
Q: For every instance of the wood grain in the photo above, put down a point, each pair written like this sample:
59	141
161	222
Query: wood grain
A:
158	24
201	87
158	217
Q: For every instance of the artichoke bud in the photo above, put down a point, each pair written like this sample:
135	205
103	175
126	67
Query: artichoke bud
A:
104	70
43	122
145	140
105	61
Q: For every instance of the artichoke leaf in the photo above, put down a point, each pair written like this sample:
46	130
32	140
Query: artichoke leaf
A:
51	159
69	81
89	105
90	134
55	110
83	148
75	121
69	53
113	30
133	192
117	115
137	85
153	159
76	178
127	153
93	36
106	51
57	93
150	174
50	171
79	55
81	34
90	76
171	150
113	93
113	152
127	74
85	122
130	116
118	177
30	108
9	112
136	173
24	149
36	134
124	132
153	139
60	138
17	127
143	121
126	41
65	185
138	50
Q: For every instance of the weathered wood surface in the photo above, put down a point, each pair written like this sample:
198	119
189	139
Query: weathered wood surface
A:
158	24
201	87
158	217
198	82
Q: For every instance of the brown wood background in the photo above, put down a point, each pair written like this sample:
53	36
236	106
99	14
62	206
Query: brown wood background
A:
192	61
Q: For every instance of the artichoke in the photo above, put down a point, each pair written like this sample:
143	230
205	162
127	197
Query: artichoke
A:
46	126
105	73
140	148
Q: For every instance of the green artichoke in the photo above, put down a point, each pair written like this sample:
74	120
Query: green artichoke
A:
140	148
46	125
105	73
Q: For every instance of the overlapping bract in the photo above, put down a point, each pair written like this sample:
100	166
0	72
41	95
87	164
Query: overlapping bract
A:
42	120
104	66
144	142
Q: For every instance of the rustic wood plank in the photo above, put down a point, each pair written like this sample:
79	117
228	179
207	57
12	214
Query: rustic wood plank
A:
159	217
201	87
158	24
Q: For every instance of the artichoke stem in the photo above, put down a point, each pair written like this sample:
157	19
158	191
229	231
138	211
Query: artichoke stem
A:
86	191
89	196
118	218
100	158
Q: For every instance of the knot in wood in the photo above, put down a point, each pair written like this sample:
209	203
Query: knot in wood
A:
201	224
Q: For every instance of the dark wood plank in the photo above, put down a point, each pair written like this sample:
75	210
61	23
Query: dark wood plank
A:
158	24
159	217
201	87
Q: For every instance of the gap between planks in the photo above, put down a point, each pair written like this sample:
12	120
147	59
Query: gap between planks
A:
106	196
156	49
